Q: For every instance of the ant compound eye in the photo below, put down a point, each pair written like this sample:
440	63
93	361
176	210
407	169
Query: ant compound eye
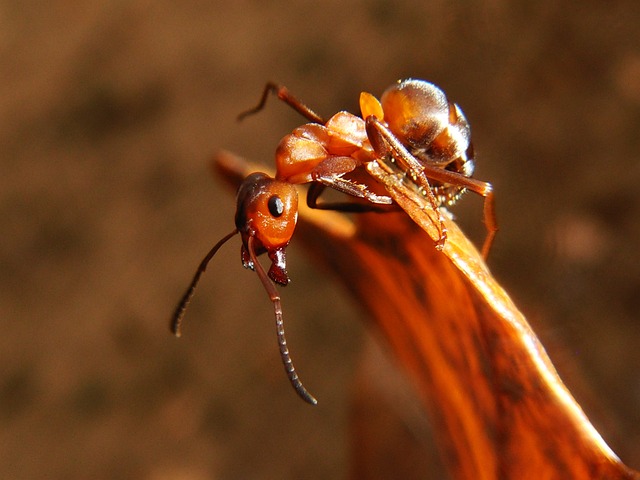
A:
276	206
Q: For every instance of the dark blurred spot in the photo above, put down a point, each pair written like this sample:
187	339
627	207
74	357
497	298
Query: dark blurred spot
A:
615	209
382	12
631	299
90	398
101	111
43	234
162	183
17	392
57	239
145	390
313	58
129	337
219	418
139	347
173	373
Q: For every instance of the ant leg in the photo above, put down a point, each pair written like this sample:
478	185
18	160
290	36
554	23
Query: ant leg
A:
283	94
316	189
178	314
424	171
282	341
484	189
329	173
385	144
490	221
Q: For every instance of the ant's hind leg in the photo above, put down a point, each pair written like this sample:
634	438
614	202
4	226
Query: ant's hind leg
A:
490	220
386	145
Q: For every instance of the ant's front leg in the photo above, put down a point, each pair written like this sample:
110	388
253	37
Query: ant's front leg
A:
283	94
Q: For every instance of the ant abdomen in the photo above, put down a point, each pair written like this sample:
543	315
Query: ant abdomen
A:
432	128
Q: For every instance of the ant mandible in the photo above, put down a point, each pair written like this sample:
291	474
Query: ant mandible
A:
413	125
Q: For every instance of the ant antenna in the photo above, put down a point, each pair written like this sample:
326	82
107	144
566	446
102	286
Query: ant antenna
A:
178	314
282	341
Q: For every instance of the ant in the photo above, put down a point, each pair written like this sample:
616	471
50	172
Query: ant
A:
413	125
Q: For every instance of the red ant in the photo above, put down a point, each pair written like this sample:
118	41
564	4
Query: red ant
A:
413	125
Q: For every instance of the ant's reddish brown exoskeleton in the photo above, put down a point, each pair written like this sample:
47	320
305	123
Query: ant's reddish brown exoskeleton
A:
413	125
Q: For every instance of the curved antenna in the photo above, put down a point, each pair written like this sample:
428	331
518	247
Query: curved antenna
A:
282	341
178	314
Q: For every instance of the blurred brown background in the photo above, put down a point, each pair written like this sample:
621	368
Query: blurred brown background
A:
109	114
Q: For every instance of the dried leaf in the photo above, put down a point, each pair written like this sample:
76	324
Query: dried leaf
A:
498	406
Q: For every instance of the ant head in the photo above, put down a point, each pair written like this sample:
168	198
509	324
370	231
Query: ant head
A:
267	212
421	117
266	216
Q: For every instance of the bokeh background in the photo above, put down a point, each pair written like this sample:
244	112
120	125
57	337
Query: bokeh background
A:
109	115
